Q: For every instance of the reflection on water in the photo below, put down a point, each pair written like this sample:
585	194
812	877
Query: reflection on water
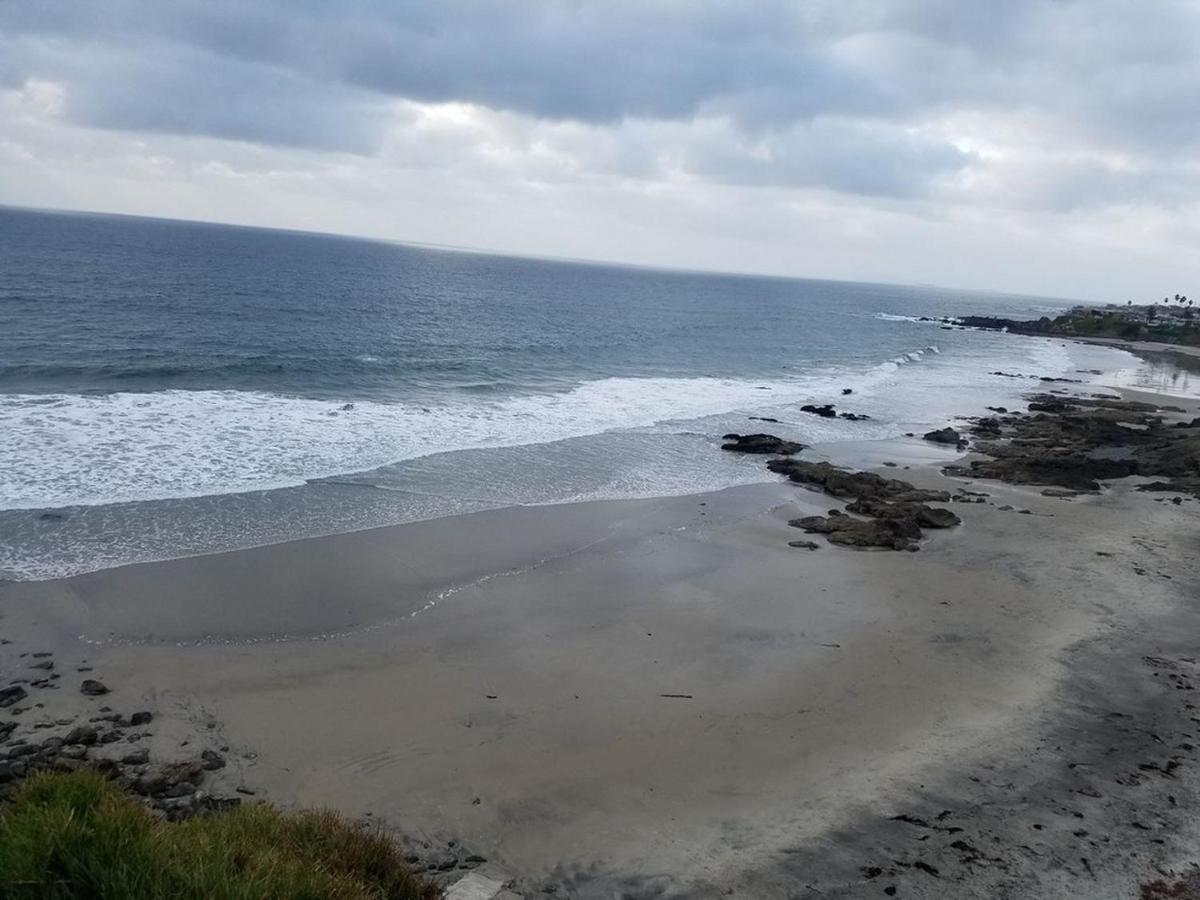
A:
1177	375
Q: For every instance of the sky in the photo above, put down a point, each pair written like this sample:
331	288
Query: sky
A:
1049	147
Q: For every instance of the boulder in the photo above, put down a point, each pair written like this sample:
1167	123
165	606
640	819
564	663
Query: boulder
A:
92	688
943	436
760	443
81	734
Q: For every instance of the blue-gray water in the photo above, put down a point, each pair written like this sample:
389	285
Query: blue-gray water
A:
172	388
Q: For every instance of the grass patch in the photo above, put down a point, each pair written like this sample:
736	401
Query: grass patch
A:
75	836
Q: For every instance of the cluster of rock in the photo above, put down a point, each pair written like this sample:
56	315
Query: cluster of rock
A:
1075	443
828	411
895	513
107	742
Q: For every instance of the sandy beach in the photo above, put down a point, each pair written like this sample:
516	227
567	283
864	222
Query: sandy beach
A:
662	698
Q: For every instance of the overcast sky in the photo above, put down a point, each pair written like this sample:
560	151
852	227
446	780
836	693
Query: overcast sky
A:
1041	146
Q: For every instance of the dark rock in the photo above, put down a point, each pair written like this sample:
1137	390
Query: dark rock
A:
136	758
804	545
76	751
111	737
943	436
763	419
12	694
892	534
44	664
212	760
141	718
825	411
843	483
81	734
846	391
92	688
854	417
922	515
760	443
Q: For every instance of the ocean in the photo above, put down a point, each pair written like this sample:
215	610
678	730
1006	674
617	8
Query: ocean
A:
172	388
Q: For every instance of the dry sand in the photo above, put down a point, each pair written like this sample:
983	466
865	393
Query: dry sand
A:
506	678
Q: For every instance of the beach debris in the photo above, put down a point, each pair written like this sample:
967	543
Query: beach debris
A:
760	443
677	696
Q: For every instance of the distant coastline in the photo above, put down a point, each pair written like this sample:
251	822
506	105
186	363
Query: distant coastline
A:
1171	322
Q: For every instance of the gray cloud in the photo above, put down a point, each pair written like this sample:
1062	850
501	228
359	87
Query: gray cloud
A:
1047	105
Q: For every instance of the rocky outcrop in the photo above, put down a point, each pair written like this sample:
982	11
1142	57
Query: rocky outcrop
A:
848	531
767	444
943	436
1076	443
895	511
848	484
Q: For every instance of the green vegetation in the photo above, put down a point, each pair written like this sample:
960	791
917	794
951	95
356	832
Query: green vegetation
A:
77	835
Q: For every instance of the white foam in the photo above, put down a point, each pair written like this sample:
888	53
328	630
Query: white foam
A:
72	449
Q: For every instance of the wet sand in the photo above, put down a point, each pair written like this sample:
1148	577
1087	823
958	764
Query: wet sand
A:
652	697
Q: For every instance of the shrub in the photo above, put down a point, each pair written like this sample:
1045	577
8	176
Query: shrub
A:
75	836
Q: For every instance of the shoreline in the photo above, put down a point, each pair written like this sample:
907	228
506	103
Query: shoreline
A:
661	697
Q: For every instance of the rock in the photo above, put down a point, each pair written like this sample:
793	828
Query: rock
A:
763	419
825	411
943	436
81	734
111	737
7	728
44	664
212	760
76	751
854	417
846	391
12	694
804	545
893	534
141	718
136	758
172	780
843	483
922	515
760	443
92	688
